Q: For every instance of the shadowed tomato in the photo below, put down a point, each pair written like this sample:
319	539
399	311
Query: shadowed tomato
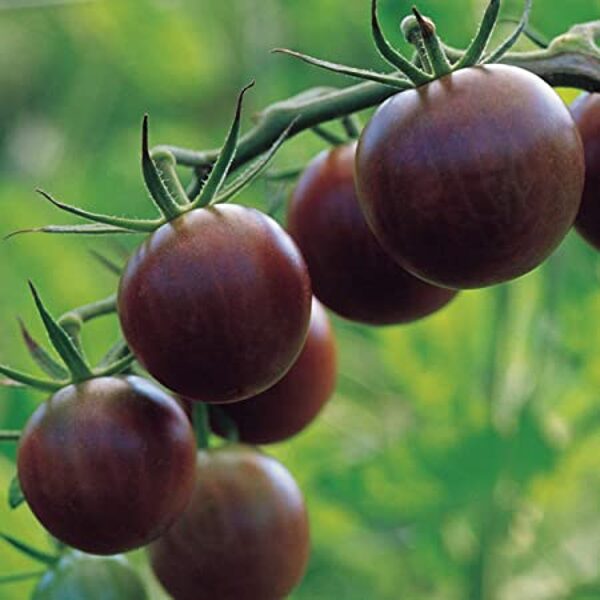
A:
294	401
350	272
473	179
216	303
244	535
586	112
107	465
78	576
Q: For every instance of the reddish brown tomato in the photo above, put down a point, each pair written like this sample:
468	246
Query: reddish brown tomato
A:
473	179
294	401
107	465
586	111
349	270
216	303
244	535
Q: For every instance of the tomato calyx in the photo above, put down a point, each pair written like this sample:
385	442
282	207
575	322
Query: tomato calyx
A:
63	334
165	188
433	60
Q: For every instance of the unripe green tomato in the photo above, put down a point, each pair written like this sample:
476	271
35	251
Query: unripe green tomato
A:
79	576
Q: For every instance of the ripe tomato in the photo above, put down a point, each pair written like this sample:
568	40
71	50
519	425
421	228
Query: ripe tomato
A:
79	576
244	535
473	179
107	465
350	272
216	303
586	112
294	401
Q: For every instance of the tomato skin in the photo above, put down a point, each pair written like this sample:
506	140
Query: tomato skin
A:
78	576
586	112
244	535
216	304
107	465
350	272
473	179
294	401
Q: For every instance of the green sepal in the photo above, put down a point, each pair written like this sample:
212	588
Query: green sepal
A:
15	493
118	366
41	357
512	39
389	80
16	578
437	57
27	550
165	163
141	225
256	169
225	423
477	47
107	263
159	192
352	126
43	385
117	351
329	136
221	168
533	35
286	174
5	382
93	229
391	55
62	342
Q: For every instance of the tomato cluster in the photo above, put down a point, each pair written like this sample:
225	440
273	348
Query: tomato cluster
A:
468	181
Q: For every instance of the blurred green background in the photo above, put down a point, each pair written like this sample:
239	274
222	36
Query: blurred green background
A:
460	457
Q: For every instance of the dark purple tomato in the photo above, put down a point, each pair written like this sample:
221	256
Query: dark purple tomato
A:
216	304
107	465
244	535
473	179
350	272
294	401
586	112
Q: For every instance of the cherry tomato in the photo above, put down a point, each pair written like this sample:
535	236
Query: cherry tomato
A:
107	465
294	401
586	112
473	179
244	535
350	272
216	303
79	576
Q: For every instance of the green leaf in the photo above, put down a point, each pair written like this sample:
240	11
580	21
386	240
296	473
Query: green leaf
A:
15	493
221	168
61	341
41	356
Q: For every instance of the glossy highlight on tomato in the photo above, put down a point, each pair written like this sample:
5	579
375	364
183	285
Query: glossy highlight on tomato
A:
78	576
107	465
294	401
586	112
216	304
244	535
350	272
473	179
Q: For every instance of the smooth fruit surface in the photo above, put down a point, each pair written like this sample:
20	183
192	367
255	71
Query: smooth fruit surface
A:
350	272
107	465
216	303
244	535
586	112
473	179
78	576
294	401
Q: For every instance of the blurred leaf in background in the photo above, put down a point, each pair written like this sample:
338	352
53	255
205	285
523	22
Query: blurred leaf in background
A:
459	457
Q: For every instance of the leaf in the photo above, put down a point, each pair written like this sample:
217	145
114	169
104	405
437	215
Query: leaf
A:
15	493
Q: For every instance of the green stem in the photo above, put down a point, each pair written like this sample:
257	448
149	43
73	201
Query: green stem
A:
352	126
73	319
9	436
573	64
201	425
226	424
5	579
165	163
328	136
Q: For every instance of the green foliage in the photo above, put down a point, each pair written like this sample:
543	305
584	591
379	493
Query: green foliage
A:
458	458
